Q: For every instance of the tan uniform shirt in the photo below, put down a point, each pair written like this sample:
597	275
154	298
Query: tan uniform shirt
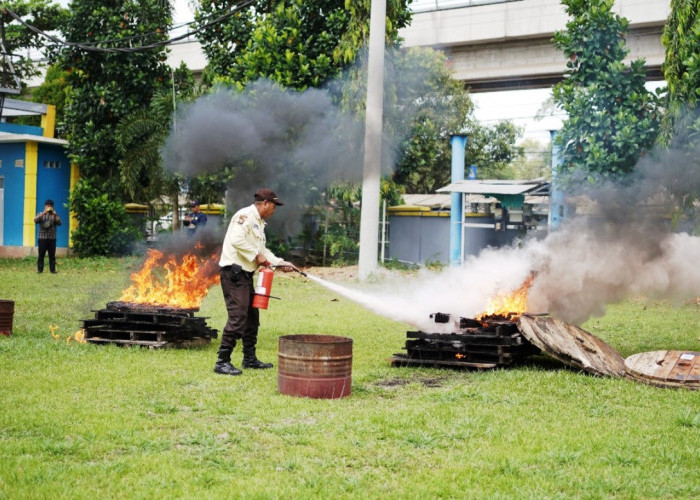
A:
245	238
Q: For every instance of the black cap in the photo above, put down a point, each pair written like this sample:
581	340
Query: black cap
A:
267	195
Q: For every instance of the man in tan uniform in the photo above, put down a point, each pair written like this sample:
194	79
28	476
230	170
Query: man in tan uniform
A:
243	252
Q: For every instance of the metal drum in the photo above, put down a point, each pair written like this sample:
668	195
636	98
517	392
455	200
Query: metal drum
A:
315	366
7	311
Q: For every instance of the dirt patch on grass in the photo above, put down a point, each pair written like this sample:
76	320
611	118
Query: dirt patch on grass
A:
391	383
347	273
433	382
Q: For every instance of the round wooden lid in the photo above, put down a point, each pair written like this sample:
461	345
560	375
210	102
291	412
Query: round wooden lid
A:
572	345
666	368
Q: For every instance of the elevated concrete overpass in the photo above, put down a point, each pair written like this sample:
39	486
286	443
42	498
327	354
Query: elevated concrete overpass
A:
507	44
497	44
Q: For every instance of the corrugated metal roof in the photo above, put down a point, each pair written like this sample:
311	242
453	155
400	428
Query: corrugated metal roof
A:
494	187
444	201
428	200
10	137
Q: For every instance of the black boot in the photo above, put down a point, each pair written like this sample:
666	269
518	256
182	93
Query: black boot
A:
250	360
223	364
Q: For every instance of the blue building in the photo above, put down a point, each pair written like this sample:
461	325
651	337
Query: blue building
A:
33	167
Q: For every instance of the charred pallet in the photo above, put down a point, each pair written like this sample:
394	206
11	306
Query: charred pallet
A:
145	325
192	342
151	308
402	360
472	344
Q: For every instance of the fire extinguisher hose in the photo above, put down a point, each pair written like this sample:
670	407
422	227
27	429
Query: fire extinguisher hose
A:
296	270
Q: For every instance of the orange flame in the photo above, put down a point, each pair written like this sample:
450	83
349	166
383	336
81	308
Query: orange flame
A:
162	280
508	306
52	330
78	336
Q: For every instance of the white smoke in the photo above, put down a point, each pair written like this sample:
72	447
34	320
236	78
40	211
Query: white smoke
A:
625	246
462	291
576	276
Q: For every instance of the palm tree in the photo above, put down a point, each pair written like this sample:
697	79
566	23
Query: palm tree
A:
140	137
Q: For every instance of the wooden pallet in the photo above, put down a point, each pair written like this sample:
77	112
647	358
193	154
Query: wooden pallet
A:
107	332
401	360
150	308
514	339
501	350
153	344
144	321
147	326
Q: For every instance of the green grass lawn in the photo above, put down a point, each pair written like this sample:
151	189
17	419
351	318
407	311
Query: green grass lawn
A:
87	421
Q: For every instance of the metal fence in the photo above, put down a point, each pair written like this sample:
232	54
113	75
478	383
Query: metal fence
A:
430	5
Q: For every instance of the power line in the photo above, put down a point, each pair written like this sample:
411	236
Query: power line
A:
90	48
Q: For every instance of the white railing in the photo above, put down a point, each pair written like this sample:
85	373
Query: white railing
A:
431	5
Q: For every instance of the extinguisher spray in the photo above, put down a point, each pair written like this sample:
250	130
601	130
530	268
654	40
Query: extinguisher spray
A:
263	288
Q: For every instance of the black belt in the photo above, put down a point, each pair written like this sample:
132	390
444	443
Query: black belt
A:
237	269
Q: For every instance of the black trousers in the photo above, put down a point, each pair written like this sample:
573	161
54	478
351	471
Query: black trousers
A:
243	318
50	247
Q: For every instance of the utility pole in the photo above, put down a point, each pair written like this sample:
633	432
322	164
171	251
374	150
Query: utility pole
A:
369	215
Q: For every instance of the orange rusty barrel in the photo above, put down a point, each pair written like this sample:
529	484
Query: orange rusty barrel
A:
315	366
7	311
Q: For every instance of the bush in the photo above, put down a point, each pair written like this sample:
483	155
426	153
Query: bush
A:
104	227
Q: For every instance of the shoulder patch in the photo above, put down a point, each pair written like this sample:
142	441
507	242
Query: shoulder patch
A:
241	219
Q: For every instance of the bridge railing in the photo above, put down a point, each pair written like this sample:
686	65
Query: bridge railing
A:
431	5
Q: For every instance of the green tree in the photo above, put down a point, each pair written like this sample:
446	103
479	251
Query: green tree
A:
110	75
612	118
425	106
296	43
535	162
19	39
106	85
104	227
681	39
140	137
493	149
54	90
681	130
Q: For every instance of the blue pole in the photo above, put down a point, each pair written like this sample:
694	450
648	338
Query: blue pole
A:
458	143
556	196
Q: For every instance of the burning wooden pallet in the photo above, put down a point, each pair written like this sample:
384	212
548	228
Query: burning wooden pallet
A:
125	323
474	344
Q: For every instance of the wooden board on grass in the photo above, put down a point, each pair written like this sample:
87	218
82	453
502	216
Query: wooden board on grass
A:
666	368
572	345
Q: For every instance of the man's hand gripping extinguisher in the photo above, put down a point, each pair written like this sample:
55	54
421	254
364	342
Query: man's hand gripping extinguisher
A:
263	288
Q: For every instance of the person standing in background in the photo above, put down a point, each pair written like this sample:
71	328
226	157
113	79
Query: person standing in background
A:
48	220
195	219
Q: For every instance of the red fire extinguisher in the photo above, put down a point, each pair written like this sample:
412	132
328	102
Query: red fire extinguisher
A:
263	288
